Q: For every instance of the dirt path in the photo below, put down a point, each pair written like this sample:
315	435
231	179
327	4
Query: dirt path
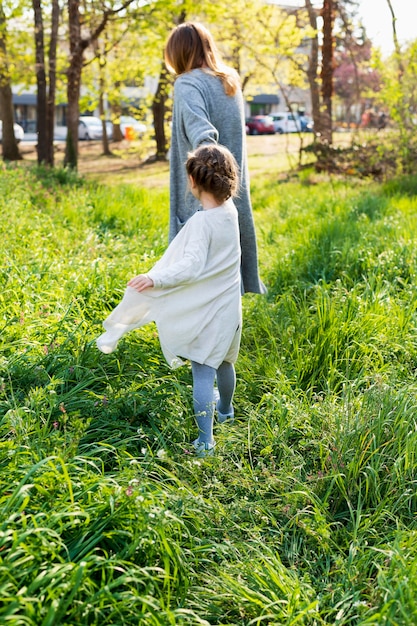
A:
129	161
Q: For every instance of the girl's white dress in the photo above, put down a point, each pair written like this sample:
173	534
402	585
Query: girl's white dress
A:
196	298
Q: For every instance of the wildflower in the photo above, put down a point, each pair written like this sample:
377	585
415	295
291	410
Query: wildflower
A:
62	408
129	491
55	425
161	453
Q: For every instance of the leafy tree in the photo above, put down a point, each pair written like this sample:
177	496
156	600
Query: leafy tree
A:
123	56
354	77
399	95
84	28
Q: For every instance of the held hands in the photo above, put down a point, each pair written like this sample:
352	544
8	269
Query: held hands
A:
140	282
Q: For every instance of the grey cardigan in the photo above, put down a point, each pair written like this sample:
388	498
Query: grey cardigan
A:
203	113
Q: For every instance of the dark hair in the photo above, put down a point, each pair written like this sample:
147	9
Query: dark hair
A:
190	46
214	170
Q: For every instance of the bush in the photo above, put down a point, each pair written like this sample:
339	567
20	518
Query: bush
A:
380	156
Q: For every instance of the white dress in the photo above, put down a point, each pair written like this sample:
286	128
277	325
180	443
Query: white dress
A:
196	298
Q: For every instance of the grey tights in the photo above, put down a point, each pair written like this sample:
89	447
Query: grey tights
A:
203	386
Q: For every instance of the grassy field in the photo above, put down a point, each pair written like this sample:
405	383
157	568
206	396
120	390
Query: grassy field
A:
307	512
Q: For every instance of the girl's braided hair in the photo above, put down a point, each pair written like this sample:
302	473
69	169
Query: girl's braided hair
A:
214	170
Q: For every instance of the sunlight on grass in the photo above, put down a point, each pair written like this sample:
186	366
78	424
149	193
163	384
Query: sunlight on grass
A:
307	512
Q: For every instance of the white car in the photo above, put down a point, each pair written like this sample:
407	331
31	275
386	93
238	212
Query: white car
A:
90	127
286	122
19	133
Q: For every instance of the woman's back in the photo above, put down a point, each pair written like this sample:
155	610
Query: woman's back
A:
202	114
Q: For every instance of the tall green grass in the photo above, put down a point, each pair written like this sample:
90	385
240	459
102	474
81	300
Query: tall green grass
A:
307	512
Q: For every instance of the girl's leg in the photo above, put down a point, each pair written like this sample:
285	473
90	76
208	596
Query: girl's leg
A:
226	383
203	384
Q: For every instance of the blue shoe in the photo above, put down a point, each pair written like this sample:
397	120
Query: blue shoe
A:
222	417
203	449
225	417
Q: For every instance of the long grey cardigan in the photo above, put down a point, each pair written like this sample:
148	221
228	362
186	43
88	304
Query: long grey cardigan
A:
203	113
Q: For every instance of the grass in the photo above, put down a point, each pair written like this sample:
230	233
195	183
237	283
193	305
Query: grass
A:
307	512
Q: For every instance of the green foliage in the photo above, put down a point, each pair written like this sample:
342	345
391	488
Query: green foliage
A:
307	512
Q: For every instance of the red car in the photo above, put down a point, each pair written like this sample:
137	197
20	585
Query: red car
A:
260	125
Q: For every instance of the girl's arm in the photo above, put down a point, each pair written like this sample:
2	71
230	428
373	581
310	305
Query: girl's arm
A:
185	270
182	262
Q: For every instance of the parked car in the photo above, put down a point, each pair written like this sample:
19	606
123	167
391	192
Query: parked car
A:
90	127
286	122
260	125
307	124
137	128
19	133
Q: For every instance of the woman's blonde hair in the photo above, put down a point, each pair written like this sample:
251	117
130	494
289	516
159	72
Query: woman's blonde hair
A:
191	46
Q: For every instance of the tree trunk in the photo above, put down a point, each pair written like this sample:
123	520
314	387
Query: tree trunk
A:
327	66
312	70
41	100
52	81
101	58
77	47
106	147
10	148
73	84
158	110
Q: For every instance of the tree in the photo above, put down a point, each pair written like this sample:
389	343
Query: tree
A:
10	147
45	96
264	43
176	14
312	68
158	112
322	93
399	95
79	42
354	78
327	71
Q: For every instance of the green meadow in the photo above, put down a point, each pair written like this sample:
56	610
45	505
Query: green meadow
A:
306	515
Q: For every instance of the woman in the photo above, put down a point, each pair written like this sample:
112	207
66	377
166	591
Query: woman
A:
208	108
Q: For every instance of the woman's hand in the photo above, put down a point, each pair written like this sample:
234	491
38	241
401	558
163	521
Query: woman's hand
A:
140	282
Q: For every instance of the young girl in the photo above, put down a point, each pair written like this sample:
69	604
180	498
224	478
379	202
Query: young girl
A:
193	293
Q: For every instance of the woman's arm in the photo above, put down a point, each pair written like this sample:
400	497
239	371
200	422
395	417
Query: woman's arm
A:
193	114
